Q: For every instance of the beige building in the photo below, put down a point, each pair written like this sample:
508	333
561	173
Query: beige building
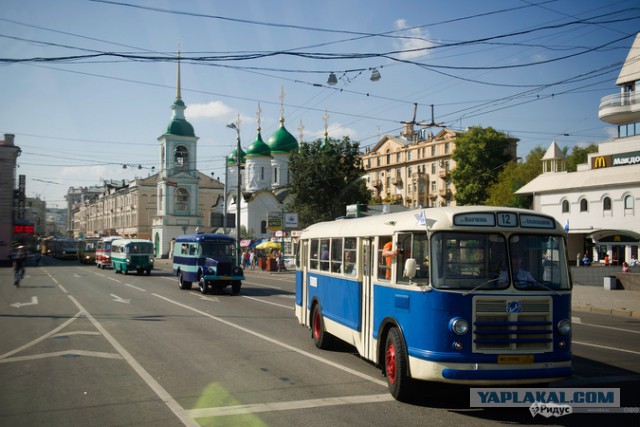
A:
128	209
413	169
8	158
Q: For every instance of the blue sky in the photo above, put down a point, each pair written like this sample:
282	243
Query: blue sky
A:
535	69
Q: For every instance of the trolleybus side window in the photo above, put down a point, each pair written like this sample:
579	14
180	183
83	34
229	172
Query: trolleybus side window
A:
350	256
413	246
324	254
336	255
384	263
467	260
314	254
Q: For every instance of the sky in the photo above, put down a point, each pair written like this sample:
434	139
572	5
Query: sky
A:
88	84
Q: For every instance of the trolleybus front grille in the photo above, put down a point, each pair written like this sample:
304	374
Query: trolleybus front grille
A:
512	324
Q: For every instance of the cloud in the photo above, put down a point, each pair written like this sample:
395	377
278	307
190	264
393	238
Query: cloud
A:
211	110
416	39
335	131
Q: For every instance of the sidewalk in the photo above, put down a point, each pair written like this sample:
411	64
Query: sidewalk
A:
595	299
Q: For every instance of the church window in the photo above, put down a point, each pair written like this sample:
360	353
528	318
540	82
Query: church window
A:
182	200
275	175
182	157
583	205
606	204
262	173
628	202
565	206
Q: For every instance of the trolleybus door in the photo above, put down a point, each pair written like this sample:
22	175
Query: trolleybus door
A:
367	298
304	291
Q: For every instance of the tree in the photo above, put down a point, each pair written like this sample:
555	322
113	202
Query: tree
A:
513	177
480	155
579	155
326	176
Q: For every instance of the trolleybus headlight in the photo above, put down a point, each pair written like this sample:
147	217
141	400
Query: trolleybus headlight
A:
564	326
459	326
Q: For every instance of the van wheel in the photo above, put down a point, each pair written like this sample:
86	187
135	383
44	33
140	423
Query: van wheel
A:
148	272
204	286
183	283
235	286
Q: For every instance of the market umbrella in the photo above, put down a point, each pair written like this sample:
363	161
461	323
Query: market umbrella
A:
268	245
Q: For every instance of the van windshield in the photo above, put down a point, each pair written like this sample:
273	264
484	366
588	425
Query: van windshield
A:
218	249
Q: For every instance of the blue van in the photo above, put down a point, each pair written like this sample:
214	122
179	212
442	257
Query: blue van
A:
209	259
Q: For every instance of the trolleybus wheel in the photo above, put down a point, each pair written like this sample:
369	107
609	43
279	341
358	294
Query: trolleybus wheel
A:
321	337
395	363
183	283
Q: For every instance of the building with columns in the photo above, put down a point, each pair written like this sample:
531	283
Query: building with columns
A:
413	169
599	203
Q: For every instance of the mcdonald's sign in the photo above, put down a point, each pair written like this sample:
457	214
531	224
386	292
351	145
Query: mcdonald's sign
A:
598	162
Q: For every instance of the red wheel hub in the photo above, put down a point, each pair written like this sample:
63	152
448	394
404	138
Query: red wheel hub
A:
390	362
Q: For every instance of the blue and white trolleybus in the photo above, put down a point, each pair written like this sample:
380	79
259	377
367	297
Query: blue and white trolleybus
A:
469	295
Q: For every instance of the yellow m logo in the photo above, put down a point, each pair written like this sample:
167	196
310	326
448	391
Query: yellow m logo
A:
599	162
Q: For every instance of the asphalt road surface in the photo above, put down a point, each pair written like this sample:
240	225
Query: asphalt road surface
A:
83	346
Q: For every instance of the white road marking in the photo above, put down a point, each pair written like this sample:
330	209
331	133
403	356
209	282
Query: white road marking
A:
290	307
578	321
42	338
288	406
278	343
604	347
100	354
34	301
146	377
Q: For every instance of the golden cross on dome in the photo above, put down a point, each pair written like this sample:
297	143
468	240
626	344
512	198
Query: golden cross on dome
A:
259	111
282	94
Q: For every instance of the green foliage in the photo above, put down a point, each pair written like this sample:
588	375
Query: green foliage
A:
326	176
480	155
579	155
513	177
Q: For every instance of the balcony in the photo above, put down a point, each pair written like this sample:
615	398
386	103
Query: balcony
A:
444	192
444	173
620	109
376	183
433	195
396	180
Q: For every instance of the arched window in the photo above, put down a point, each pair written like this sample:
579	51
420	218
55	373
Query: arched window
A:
628	202
565	206
583	205
182	200
606	204
181	157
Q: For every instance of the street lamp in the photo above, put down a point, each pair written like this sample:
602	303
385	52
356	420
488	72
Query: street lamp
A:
238	198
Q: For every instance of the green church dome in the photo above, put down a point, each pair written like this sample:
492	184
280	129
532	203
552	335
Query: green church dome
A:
231	158
178	125
282	142
258	148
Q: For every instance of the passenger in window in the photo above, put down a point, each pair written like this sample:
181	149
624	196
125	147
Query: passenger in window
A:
324	258
389	254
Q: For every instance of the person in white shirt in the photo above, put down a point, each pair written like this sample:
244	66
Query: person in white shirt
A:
520	275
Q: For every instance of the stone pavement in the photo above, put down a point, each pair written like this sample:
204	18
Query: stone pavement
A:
595	299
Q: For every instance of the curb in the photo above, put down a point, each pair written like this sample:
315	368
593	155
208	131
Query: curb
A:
619	312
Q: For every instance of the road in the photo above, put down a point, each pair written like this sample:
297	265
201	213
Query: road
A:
85	346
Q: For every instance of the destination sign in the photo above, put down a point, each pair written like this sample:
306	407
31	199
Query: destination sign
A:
504	219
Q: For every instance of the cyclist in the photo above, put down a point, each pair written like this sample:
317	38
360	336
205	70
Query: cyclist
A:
18	265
